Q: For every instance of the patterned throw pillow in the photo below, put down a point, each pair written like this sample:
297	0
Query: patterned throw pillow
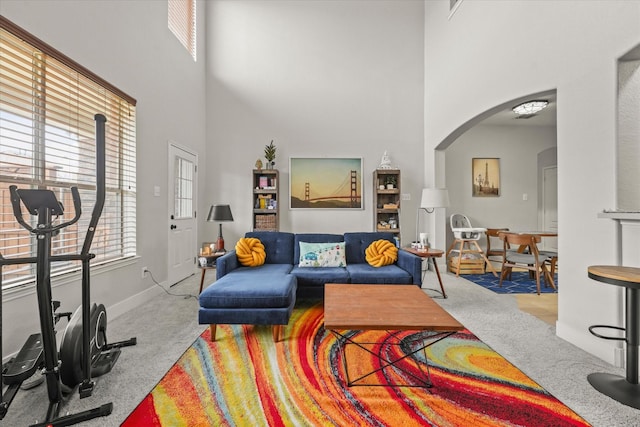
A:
250	252
381	252
322	255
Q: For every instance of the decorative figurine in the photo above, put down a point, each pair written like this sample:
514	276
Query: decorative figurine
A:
259	164
385	162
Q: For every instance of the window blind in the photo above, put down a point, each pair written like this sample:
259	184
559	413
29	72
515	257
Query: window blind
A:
47	141
182	23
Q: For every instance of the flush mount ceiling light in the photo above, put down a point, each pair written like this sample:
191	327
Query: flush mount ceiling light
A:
530	107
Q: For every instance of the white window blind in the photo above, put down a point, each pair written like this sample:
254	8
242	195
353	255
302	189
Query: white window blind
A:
182	23
47	141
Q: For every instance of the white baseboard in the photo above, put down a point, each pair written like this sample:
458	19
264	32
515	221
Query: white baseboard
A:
610	351
134	301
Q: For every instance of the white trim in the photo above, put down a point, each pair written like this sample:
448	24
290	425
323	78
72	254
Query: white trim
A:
134	301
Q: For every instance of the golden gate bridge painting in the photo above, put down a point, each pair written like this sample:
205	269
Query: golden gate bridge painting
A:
325	183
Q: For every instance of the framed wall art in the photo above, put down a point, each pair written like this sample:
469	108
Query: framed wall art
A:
325	183
485	174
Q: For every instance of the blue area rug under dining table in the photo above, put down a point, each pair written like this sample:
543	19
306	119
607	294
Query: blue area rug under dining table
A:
520	283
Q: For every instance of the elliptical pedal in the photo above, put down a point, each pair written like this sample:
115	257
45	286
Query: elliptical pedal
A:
105	361
26	361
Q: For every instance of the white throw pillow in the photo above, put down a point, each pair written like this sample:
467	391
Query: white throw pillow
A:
322	255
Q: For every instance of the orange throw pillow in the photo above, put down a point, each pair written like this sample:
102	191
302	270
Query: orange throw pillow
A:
250	252
380	253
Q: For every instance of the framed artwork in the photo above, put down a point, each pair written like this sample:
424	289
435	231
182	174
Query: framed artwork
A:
208	248
325	183
485	174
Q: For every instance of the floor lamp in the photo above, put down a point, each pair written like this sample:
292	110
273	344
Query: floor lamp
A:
431	198
220	213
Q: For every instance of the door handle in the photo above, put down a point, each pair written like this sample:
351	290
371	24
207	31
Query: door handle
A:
173	226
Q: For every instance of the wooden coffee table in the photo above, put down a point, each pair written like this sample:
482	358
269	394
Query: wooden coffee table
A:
393	308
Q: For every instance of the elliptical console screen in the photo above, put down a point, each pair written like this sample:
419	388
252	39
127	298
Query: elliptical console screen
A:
35	199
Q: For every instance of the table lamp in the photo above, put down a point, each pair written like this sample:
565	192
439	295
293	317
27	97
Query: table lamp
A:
220	213
431	198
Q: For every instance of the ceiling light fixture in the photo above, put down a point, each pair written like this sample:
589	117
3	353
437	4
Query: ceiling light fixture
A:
530	107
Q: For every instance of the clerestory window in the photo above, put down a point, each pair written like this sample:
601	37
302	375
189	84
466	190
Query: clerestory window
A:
182	23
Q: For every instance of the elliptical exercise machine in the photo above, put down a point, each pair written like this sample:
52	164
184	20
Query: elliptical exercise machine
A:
84	348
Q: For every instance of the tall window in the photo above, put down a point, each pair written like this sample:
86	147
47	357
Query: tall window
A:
182	23
47	141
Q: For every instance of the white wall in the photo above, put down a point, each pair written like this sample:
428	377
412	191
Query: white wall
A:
322	79
517	147
129	45
483	57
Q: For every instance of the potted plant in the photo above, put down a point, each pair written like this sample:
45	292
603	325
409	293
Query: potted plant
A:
270	155
391	181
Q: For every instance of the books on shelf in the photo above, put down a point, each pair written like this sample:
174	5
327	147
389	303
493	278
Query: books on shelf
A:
263	182
266	183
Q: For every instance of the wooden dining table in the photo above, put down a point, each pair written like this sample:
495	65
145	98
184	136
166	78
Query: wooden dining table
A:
541	233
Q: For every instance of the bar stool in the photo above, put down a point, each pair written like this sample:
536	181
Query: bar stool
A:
624	390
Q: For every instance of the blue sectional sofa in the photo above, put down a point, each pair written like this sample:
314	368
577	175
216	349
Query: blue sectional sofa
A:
266	295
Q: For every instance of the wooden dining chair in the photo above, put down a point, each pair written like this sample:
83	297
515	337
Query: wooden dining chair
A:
531	261
493	234
551	258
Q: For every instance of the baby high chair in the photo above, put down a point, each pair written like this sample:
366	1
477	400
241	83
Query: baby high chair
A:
464	236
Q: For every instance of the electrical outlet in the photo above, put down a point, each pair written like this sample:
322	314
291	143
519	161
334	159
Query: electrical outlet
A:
144	272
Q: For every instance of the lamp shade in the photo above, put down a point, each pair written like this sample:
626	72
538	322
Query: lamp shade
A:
220	213
434	198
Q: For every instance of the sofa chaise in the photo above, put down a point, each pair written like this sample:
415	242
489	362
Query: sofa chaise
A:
266	294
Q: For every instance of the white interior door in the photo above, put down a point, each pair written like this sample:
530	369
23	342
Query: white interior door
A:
550	206
183	167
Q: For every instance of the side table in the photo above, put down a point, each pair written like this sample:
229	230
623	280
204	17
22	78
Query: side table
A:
624	390
429	253
211	265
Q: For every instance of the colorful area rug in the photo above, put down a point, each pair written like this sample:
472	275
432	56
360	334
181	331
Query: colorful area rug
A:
245	379
520	283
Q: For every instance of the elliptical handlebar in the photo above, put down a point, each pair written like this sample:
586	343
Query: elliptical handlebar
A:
100	181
